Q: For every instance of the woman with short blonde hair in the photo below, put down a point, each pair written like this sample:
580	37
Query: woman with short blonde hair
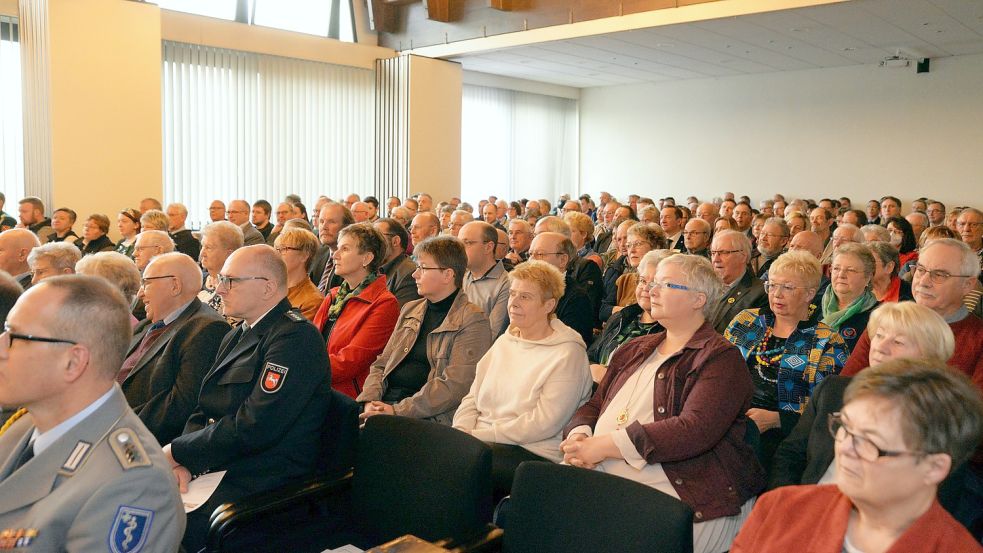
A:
297	248
582	235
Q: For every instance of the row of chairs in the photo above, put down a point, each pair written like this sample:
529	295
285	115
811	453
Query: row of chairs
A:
400	476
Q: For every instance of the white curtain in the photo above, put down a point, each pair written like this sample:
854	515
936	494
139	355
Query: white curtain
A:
252	126
11	116
517	144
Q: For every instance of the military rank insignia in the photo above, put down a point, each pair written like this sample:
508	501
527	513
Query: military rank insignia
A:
15	538
130	529
273	376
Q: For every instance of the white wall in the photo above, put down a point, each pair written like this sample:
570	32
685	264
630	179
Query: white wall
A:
858	131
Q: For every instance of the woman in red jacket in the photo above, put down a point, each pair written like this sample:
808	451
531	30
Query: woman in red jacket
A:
904	426
357	318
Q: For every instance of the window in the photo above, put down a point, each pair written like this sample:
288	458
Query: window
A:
517	144
221	9
244	125
11	117
327	18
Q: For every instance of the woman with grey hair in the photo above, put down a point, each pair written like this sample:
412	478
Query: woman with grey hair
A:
53	259
218	241
848	301
670	412
118	269
886	285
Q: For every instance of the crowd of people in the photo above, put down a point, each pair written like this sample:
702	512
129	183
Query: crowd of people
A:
746	359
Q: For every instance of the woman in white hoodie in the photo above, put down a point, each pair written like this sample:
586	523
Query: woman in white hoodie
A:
528	385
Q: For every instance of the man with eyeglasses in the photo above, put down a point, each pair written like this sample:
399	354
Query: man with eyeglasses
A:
284	212
936	213
360	210
575	308
398	266
946	271
729	254
520	238
265	398
78	469
184	240
459	218
969	225
171	349
696	237
771	243
15	245
216	211
486	283
238	214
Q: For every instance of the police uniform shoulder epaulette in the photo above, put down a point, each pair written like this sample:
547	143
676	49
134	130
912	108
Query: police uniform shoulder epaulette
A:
295	316
128	449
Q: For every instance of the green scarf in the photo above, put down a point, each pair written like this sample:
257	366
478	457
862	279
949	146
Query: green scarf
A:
834	318
345	292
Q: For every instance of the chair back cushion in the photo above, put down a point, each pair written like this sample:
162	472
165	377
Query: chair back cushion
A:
556	508
339	436
422	478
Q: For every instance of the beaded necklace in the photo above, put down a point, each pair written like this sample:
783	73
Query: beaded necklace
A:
767	357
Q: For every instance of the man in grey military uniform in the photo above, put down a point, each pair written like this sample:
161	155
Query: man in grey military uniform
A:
263	402
78	471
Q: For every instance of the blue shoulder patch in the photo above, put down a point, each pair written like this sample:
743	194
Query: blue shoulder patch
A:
130	529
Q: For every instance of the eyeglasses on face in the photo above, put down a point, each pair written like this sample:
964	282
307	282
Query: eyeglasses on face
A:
147	280
936	276
540	255
422	268
656	285
7	338
722	253
281	249
774	288
864	448
227	282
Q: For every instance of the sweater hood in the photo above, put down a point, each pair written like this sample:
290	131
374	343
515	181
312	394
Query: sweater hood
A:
562	334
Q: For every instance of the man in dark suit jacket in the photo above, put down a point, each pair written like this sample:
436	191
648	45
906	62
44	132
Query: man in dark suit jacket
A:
264	401
184	241
331	220
398	267
744	290
574	309
167	359
587	274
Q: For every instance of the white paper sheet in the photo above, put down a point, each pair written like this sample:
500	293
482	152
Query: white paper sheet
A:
345	549
200	489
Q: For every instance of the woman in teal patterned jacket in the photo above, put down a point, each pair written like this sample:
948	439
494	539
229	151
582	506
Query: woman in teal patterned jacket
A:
788	349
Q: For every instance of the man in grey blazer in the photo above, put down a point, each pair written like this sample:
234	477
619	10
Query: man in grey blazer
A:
78	471
173	348
398	267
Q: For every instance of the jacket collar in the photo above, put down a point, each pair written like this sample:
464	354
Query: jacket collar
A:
371	292
388	268
455	315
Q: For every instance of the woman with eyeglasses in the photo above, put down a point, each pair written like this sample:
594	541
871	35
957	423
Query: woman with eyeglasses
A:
297	247
429	361
904	427
218	241
357	318
631	322
787	348
848	300
642	238
95	237
670	412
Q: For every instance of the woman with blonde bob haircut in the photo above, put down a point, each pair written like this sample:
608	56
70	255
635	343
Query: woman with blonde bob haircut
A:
670	411
297	248
531	380
582	236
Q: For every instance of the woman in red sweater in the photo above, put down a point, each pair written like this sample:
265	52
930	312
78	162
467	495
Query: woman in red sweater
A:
357	318
904	427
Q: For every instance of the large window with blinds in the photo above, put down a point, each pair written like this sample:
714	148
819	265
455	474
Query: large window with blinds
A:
11	117
252	126
517	144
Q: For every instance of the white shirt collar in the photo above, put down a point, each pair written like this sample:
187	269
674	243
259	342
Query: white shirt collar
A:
173	315
44	440
252	324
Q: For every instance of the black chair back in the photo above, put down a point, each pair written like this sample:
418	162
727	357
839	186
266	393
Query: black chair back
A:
562	509
422	478
339	436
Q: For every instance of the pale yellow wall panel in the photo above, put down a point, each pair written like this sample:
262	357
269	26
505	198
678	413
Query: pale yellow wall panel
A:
435	127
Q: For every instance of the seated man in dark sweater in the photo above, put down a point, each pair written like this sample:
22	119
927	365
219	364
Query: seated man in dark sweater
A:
429	362
574	308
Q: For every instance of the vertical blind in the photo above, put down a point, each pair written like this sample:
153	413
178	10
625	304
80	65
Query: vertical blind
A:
253	126
11	115
517	144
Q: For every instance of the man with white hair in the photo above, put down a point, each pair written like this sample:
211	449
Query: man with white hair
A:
772	241
360	210
151	243
459	218
53	259
238	213
729	254
15	245
184	241
520	238
919	222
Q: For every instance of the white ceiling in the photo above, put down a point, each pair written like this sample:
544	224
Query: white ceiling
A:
848	33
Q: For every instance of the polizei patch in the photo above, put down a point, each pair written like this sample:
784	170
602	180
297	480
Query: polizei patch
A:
273	377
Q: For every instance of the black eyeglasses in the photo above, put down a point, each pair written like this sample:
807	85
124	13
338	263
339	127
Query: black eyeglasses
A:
422	268
864	448
227	281
146	280
7	338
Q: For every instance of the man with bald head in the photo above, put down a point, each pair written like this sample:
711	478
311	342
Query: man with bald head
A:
216	211
238	214
15	245
264	400
574	309
77	467
808	241
696	237
151	243
708	212
172	348
360	211
425	225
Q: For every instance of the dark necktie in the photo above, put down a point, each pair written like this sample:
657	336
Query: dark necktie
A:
324	285
149	338
24	457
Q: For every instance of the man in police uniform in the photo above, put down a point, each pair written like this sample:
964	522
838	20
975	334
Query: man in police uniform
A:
78	471
264	400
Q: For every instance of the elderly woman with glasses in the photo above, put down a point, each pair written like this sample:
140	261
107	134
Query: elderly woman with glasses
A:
218	241
670	412
532	379
94	236
642	238
631	322
848	301
904	427
886	285
429	362
298	247
787	348
357	318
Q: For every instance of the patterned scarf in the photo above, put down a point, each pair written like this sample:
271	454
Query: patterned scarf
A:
345	293
835	317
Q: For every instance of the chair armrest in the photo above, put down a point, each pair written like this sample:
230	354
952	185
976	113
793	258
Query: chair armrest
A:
488	541
229	515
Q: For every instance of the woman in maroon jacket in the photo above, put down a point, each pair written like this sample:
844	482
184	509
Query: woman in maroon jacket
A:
357	318
670	412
